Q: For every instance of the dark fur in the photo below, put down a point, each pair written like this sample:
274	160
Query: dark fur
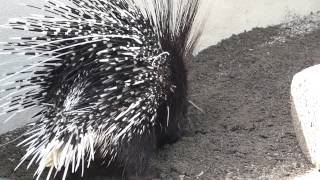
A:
173	31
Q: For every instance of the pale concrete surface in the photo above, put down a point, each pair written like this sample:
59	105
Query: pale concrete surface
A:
305	97
226	17
235	16
311	175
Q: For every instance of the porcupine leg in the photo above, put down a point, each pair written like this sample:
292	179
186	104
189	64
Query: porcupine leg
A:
131	162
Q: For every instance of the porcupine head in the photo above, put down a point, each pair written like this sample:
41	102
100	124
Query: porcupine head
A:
110	84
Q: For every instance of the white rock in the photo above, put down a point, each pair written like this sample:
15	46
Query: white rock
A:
305	98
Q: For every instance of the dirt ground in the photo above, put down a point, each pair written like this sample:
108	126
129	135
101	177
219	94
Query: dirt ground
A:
245	131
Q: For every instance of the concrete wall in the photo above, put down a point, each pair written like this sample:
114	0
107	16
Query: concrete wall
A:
227	17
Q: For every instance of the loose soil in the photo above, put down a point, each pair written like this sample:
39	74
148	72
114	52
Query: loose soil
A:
244	128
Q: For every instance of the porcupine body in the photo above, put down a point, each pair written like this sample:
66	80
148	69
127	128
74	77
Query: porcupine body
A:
112	86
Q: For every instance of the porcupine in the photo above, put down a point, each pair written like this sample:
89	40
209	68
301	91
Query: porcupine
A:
113	86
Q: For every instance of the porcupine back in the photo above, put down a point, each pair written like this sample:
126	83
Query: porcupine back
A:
112	85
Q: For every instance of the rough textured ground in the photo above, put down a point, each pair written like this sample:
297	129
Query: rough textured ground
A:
243	86
245	131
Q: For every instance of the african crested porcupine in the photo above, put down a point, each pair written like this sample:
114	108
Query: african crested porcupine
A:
112	86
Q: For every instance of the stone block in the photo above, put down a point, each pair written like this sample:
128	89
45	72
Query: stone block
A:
305	108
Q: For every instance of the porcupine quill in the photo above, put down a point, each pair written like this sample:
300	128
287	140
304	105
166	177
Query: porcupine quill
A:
112	85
